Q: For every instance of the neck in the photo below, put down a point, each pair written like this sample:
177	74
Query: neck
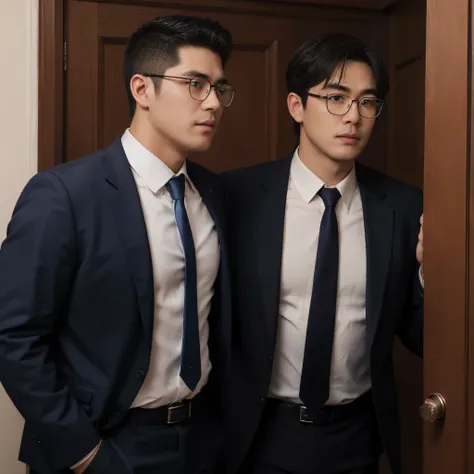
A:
155	143
330	171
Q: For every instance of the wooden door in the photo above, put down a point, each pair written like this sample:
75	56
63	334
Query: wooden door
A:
448	185
406	108
257	127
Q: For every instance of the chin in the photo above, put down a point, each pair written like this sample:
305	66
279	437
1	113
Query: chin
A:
199	147
344	158
203	146
348	154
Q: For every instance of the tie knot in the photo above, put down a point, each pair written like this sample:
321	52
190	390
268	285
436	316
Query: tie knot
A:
176	187
330	196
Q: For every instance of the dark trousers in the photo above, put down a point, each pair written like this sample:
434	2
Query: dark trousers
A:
190	447
347	444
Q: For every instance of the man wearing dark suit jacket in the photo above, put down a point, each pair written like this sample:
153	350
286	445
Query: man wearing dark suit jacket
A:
324	263
114	279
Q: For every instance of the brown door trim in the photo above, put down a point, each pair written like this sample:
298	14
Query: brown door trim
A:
297	9
470	259
50	83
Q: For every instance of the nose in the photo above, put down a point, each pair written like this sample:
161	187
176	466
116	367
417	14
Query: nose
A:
353	115
212	101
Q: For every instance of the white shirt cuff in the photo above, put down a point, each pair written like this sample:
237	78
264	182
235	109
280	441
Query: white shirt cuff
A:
86	458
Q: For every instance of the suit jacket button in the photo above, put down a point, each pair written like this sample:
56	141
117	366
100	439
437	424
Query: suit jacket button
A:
140	375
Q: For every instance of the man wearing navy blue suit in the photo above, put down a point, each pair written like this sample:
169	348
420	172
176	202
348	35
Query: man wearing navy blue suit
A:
114	281
326	259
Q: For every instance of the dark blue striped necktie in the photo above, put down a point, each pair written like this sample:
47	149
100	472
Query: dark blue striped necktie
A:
315	376
191	350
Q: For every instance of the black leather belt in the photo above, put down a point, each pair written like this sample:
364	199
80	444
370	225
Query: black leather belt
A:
165	415
325	415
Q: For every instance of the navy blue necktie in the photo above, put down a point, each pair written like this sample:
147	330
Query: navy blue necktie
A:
314	389
191	351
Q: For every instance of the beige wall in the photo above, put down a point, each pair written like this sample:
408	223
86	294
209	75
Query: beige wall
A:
18	157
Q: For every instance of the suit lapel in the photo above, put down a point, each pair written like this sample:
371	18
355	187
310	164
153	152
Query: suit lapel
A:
270	216
131	227
213	202
378	223
207	194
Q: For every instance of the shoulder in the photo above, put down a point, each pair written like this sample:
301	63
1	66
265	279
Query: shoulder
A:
392	187
79	168
403	197
59	177
62	186
243	178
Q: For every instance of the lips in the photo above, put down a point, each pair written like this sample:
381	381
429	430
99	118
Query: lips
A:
349	139
351	136
208	123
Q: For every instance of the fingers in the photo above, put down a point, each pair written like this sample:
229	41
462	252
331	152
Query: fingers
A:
420	233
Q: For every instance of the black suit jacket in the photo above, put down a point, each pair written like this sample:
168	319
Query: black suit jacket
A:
256	200
77	303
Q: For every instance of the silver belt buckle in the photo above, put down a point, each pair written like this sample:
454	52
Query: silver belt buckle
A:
304	416
175	407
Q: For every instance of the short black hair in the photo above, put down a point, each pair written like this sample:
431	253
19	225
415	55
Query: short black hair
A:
318	59
154	47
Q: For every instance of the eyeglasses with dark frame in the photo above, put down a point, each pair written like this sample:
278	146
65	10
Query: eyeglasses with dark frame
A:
340	104
200	88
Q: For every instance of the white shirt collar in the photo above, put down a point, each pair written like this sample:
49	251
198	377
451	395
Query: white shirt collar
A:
154	173
308	184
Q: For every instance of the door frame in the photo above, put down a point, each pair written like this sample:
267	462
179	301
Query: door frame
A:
50	83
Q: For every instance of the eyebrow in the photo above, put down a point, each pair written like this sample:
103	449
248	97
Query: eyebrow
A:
201	75
339	87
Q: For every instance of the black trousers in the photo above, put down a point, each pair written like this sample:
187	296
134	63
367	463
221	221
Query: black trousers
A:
284	445
190	447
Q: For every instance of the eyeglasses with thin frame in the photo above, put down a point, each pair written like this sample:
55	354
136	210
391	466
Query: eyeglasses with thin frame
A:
200	88
340	104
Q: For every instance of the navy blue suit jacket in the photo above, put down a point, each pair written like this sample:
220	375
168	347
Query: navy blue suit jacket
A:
77	303
256	201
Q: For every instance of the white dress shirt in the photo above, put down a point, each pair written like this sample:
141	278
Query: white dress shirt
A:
163	384
350	368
